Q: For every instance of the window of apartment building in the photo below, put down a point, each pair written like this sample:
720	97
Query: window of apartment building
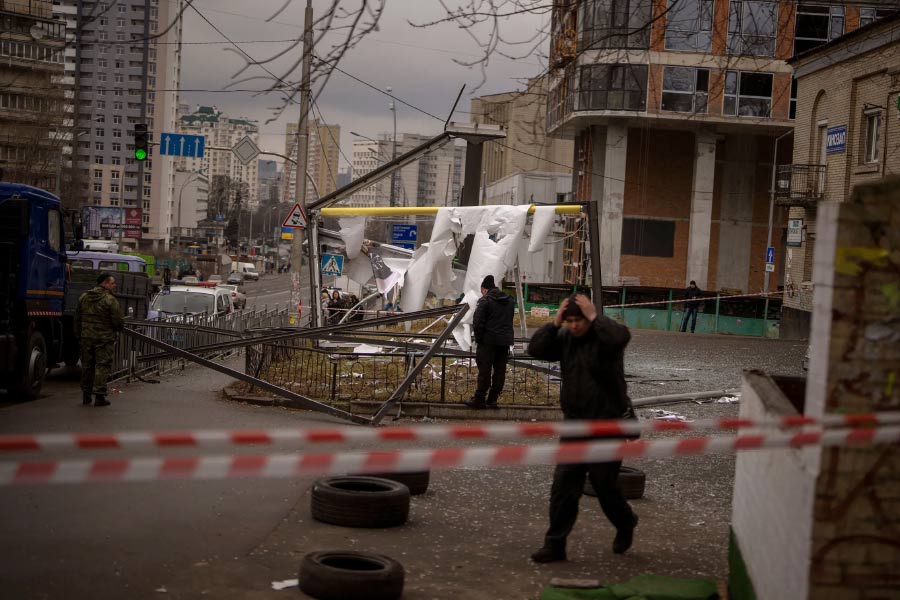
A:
685	89
146	190
99	132
146	205
689	25
101	104
117	92
117	120
98	173
102	48
148	178
122	8
120	50
119	78
817	25
102	63
146	219
104	21
872	130
98	187
869	15
752	27
793	111
114	175
100	119
102	36
120	22
101	77
117	105
152	54
616	24
747	94
115	160
613	87
120	64
120	36
116	147
98	146
117	133
648	237
114	187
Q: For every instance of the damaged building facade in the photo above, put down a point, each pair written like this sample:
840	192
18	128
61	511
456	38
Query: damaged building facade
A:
674	109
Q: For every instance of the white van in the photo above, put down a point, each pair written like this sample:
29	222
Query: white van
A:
247	270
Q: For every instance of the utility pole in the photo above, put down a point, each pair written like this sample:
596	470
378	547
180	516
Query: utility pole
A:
302	160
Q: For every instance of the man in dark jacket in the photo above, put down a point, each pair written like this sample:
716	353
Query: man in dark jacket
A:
492	325
690	307
98	320
590	350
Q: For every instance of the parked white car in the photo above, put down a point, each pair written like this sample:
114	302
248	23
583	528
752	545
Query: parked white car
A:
190	300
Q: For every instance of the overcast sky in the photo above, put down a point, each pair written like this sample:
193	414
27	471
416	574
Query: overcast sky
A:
416	63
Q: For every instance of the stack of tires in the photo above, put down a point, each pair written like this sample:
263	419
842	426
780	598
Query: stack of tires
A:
370	501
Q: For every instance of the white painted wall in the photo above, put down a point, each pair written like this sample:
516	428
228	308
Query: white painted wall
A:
772	508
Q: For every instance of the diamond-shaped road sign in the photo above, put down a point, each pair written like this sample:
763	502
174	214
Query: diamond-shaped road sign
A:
297	218
246	150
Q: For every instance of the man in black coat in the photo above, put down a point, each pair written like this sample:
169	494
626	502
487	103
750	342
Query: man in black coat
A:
690	307
590	349
492	325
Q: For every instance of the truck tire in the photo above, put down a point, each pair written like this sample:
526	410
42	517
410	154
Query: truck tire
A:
631	481
368	502
34	367
349	575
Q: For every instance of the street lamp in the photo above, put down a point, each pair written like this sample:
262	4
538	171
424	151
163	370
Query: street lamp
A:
392	107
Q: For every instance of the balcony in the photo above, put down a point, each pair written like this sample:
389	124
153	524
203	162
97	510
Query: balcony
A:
800	185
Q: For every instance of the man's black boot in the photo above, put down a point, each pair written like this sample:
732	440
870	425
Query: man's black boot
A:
101	400
474	403
549	553
624	538
85	398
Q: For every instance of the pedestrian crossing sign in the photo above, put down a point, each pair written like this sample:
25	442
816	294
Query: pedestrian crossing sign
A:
332	264
297	218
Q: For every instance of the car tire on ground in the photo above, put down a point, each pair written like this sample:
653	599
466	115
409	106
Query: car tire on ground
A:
349	575
632	482
417	482
354	501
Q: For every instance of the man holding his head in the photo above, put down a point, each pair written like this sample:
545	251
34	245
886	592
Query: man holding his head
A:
590	349
98	320
492	326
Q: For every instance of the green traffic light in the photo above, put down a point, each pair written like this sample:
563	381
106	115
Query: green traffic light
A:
140	154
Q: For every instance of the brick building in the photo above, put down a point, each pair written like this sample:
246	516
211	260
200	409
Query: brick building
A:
847	132
674	109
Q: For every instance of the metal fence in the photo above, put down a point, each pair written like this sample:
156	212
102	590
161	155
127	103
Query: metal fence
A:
188	331
338	377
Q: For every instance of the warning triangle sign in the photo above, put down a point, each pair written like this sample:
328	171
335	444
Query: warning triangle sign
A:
296	219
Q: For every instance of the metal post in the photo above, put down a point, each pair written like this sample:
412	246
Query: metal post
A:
669	313
772	203
393	108
766	317
302	161
593	227
717	313
520	300
624	302
471	184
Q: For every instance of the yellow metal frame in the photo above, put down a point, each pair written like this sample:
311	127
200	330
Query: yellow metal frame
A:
396	211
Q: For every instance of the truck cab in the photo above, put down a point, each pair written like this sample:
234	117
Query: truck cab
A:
32	286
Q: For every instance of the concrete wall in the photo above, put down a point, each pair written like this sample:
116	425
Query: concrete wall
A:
736	212
772	505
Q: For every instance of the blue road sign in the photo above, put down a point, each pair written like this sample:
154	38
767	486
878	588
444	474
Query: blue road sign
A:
770	255
836	139
180	144
332	264
404	233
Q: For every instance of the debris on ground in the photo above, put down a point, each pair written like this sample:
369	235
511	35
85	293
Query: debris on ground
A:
287	583
659	414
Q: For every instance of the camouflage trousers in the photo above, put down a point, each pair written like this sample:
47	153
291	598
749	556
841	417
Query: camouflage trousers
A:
96	363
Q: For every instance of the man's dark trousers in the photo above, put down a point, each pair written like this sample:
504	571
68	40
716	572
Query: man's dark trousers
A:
690	313
567	489
488	358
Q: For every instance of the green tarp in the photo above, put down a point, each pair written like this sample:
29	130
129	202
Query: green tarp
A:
642	587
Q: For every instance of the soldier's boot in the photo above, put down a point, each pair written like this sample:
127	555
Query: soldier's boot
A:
550	552
100	400
85	398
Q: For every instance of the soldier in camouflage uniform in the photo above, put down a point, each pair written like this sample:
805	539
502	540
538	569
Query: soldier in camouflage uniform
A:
98	320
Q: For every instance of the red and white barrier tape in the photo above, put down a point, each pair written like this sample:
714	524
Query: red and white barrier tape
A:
292	465
510	431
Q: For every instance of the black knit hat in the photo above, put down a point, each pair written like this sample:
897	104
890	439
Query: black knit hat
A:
488	283
572	308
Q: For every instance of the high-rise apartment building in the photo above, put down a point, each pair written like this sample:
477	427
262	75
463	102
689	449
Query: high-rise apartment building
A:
223	131
433	180
322	165
34	121
526	148
123	75
269	178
